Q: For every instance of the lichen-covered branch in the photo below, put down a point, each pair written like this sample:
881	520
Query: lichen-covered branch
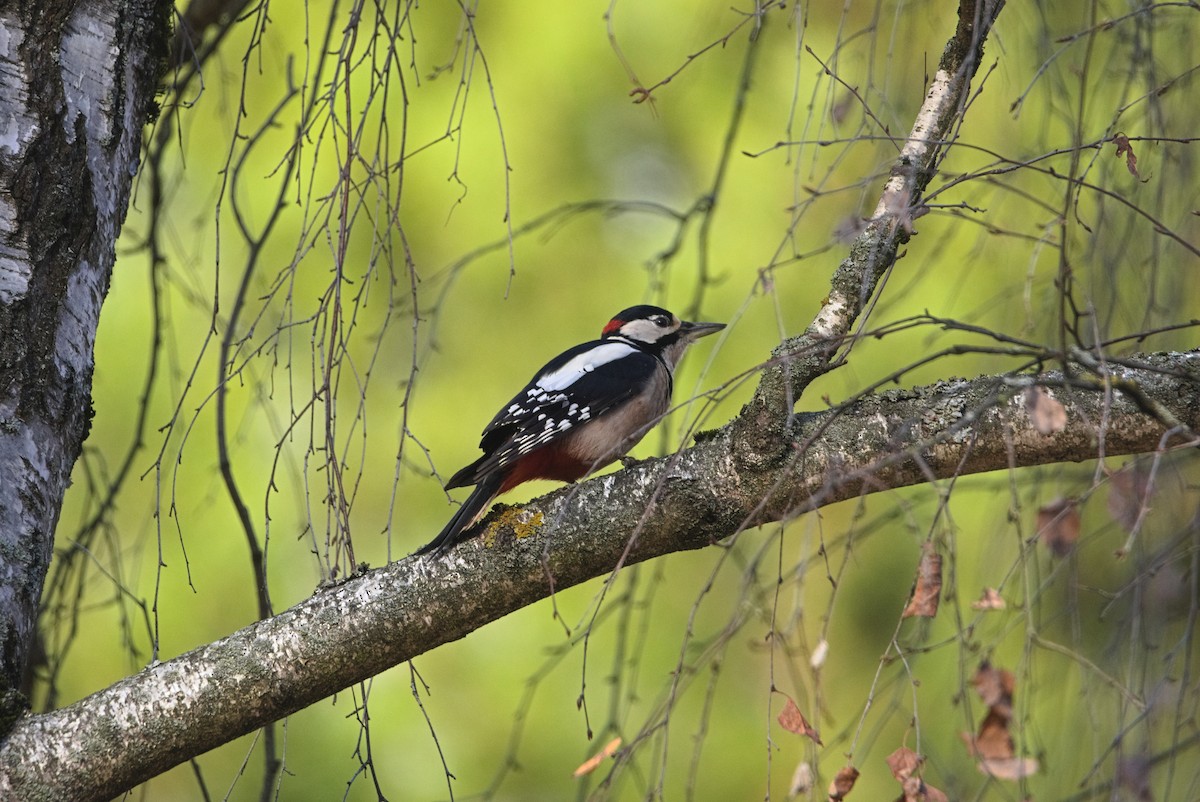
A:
169	712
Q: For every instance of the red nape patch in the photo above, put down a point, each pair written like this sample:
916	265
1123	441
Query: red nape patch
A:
550	462
612	326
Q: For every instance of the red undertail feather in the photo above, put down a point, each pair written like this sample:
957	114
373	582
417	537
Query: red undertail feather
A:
545	463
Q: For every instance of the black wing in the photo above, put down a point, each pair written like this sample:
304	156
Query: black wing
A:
577	386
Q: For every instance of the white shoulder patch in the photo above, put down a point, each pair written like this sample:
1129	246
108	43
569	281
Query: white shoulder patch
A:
576	367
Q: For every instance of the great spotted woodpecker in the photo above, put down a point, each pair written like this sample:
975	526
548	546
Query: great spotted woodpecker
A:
586	408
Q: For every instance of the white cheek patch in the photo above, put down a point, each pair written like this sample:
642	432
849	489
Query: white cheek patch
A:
577	366
644	331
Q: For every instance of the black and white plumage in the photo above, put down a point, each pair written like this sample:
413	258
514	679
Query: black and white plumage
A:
584	409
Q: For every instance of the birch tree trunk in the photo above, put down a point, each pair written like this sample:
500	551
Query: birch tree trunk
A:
79	80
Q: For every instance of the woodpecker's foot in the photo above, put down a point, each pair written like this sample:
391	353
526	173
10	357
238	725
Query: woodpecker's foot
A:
629	462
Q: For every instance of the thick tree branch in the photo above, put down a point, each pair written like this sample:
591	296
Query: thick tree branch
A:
169	712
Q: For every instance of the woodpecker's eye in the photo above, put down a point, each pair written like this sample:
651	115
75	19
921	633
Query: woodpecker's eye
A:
661	321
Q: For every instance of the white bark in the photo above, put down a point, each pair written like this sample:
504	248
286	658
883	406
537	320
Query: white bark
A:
79	81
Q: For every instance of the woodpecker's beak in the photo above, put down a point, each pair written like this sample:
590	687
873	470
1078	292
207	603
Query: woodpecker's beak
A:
694	331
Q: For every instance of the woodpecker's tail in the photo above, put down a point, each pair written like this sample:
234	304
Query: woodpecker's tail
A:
471	511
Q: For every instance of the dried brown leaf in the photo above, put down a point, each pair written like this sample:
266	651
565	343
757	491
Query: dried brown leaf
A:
589	765
925	596
1125	148
792	720
1058	525
995	687
1046	412
990	600
904	763
842	784
994	741
994	745
1009	768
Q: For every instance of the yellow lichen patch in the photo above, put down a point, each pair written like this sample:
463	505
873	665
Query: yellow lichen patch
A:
523	523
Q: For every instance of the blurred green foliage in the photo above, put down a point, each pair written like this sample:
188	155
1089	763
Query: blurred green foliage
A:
540	117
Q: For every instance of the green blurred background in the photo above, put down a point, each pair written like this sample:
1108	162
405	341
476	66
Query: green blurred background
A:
514	113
